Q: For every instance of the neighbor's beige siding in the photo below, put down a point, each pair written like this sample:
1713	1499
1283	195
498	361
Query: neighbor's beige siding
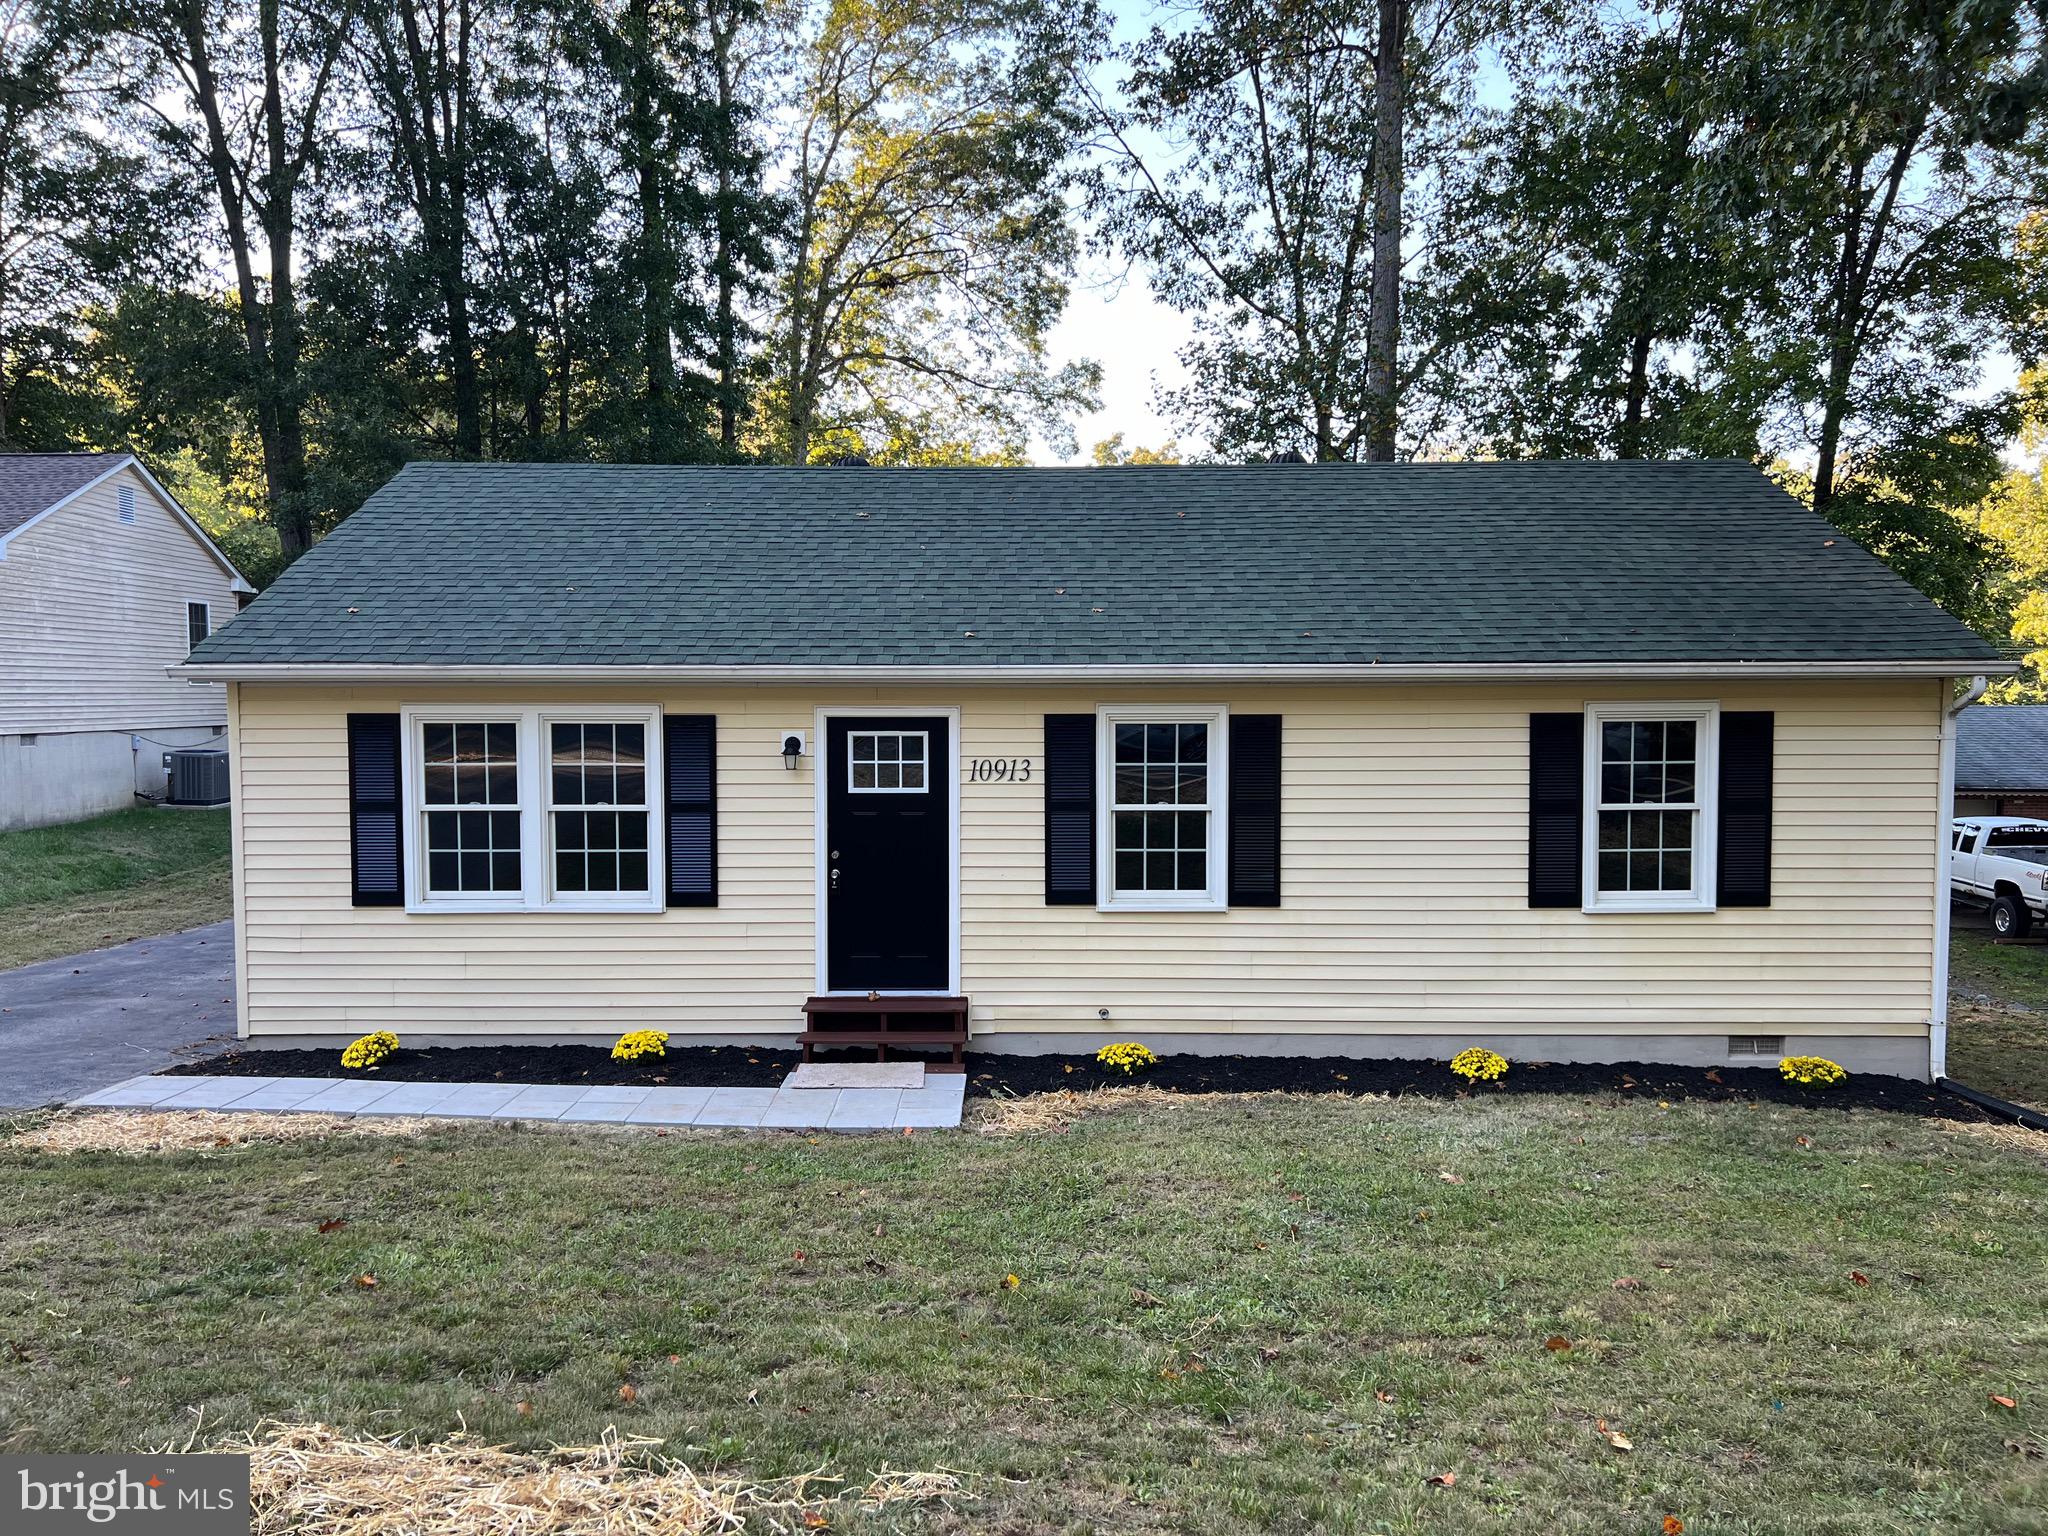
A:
1404	885
92	610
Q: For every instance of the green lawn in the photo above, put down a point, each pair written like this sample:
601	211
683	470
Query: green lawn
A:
113	878
1230	1316
1999	1045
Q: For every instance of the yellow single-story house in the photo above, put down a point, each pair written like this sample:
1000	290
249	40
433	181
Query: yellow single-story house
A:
1578	761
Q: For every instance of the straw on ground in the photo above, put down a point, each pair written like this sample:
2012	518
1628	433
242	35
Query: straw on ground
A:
143	1132
313	1480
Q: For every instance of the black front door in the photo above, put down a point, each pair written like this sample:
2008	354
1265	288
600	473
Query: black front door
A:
888	854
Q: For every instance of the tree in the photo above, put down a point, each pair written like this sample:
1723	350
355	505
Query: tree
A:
239	92
78	216
2013	518
1891	140
741	214
1637	340
419	59
928	246
1300	178
1110	453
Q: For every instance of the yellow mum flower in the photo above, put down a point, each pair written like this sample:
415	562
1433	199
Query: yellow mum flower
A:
1812	1071
1125	1056
370	1051
1477	1064
639	1043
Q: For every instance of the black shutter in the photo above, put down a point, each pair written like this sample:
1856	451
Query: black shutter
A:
690	758
376	870
1742	863
1070	810
1255	810
1557	773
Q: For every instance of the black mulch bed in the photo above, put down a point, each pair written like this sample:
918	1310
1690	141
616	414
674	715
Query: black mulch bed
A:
735	1066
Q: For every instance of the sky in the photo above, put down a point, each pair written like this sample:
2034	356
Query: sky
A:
1113	318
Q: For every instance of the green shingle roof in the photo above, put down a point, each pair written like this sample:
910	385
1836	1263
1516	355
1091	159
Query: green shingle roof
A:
1583	562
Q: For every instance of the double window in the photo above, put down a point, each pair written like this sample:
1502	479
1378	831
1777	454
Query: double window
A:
532	808
1162	797
1650	781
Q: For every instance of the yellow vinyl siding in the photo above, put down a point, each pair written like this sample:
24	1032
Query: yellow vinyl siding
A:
1404	832
92	610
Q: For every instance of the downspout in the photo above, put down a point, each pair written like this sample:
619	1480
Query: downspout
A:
1937	1018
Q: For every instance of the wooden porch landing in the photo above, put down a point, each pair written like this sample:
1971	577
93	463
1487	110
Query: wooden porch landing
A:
888	1021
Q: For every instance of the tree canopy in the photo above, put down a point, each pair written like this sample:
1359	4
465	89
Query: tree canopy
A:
281	248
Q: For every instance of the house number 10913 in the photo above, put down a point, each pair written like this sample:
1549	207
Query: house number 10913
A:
999	770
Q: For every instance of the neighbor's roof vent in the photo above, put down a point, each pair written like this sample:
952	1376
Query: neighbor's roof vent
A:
1286	456
850	461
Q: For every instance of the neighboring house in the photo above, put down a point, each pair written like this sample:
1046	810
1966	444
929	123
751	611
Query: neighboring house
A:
105	583
1577	760
2002	760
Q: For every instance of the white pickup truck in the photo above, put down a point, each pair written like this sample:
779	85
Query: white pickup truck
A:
2001	862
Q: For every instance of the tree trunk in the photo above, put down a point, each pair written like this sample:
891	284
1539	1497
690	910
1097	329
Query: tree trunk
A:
533	408
800	416
1841	313
290	505
726	257
1383	335
270	331
1644	323
469	436
428	95
1834	411
658	331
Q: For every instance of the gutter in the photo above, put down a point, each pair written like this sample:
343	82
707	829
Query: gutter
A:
1944	814
1276	672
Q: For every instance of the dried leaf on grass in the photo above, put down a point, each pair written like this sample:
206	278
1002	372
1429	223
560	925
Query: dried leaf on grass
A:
143	1132
310	1480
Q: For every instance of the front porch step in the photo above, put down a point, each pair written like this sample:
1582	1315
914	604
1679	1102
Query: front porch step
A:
888	1021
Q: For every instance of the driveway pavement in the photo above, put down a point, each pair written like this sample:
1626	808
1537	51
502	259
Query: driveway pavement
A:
70	1026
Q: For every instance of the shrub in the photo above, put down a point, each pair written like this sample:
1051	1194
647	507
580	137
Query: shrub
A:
637	1044
370	1052
1476	1064
1812	1071
1126	1056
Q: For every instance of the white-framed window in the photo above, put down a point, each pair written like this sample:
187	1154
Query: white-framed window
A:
1651	776
1162	798
887	762
198	624
530	809
598	821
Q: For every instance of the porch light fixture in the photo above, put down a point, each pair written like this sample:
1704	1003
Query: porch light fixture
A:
792	751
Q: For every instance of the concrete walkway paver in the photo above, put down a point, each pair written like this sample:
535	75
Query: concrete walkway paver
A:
934	1106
